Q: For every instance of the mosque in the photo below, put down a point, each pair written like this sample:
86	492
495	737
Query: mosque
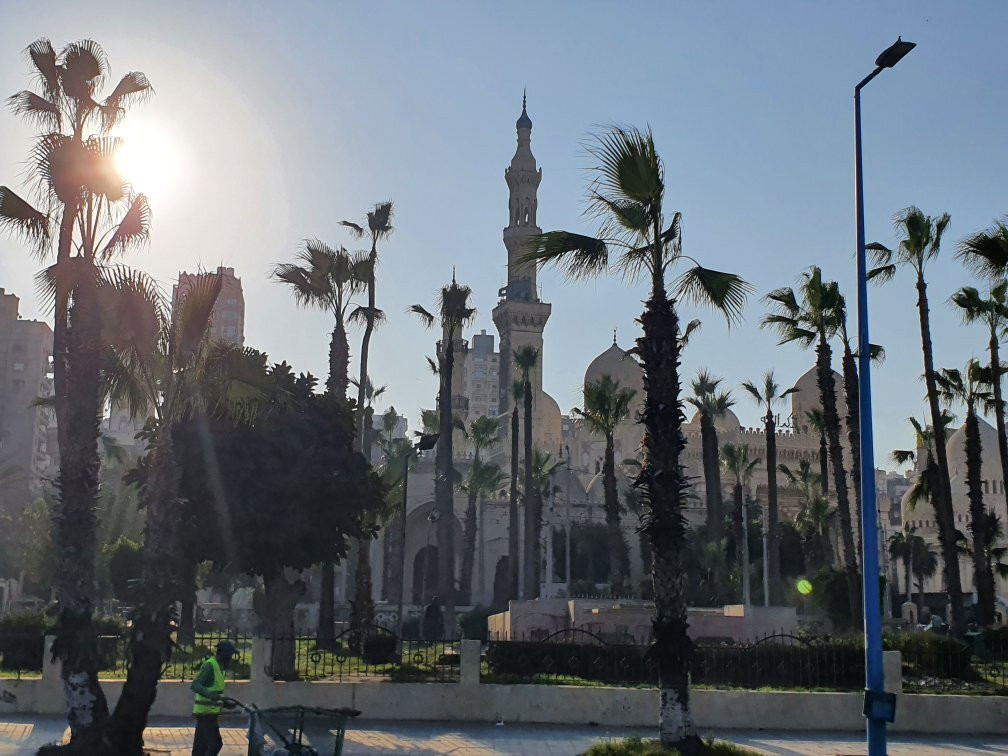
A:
482	386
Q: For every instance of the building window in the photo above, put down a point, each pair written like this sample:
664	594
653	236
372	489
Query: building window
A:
232	301
18	367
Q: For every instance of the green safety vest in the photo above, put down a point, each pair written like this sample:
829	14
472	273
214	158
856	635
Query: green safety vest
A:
204	705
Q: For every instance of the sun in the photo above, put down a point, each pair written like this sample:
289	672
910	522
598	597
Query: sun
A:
149	158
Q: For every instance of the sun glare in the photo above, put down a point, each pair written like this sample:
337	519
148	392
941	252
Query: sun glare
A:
149	159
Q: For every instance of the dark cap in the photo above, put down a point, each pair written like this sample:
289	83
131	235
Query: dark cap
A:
226	648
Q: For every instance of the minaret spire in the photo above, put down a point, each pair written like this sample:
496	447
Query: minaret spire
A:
614	337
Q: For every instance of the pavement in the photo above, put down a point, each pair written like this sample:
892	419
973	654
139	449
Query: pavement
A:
23	735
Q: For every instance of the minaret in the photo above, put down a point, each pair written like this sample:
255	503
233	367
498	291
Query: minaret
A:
520	316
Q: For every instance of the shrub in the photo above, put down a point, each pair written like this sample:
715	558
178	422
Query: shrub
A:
638	747
837	664
22	640
474	623
378	649
592	662
933	655
411	628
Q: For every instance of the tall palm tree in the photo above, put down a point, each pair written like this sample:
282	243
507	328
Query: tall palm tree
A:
167	363
526	359
90	216
606	405
901	548
514	540
454	313
920	243
543	490
711	404
991	311
994	555
326	278
967	387
628	193
818	424
767	396
379	228
482	433
815	517
925	565
737	462
483	478
852	399
808	317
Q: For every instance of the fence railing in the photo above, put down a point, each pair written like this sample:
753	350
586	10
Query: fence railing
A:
186	656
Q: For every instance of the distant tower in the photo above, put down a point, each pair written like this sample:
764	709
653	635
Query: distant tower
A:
519	315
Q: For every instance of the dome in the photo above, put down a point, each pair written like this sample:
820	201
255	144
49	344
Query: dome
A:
955	449
727	422
806	395
619	366
523	122
547	423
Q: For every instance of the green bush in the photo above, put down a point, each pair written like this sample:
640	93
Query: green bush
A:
411	628
638	747
933	655
474	623
22	640
836	664
591	662
378	648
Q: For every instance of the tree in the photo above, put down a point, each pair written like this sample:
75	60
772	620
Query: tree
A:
525	360
125	562
967	387
454	312
326	278
90	216
483	478
514	542
991	311
818	425
925	565
606	405
542	491
628	194
167	364
994	556
767	396
902	547
815	516
737	462
808	317
921	243
711	405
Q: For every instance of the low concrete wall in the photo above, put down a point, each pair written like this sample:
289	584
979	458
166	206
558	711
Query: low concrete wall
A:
469	700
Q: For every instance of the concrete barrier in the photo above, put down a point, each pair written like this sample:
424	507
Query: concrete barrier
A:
469	700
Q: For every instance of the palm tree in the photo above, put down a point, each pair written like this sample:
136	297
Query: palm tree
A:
379	228
815	516
711	405
482	433
767	396
628	194
921	243
818	424
90	216
606	405
453	314
542	491
326	278
925	565
167	362
737	462
809	317
967	387
525	360
901	548
991	311
514	541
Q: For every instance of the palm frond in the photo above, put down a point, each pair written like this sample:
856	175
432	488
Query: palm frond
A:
191	316
43	58
577	255
691	328
133	229
986	252
20	218
421	312
380	219
132	88
628	165
725	292
36	109
355	229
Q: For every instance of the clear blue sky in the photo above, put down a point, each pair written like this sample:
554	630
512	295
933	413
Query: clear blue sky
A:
286	119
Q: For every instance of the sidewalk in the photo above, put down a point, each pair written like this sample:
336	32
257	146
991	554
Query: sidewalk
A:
20	735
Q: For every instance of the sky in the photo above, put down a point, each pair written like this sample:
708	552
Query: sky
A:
272	122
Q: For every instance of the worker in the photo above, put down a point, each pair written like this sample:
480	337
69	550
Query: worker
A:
209	689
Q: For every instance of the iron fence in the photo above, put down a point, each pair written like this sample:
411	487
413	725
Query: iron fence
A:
370	653
945	665
187	656
21	654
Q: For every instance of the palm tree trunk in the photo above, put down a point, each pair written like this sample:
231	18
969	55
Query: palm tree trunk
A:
365	346
339	361
187	605
444	487
664	490
712	476
468	550
362	606
852	396
326	635
529	590
827	395
908	567
823	463
977	525
150	638
999	414
941	498
920	599
617	547
513	535
77	379
773	526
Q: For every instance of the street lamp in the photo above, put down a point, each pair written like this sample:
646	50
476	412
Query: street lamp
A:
879	708
424	443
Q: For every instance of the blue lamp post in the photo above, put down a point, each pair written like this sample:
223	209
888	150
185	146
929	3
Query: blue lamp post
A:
878	707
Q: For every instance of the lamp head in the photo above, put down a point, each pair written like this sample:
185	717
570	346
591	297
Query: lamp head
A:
894	53
427	441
